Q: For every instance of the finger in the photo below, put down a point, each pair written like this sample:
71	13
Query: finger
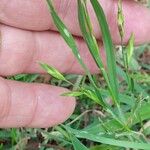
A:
33	105
22	50
34	15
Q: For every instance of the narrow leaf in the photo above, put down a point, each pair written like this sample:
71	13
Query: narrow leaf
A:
77	144
86	29
109	141
73	94
52	71
70	41
109	47
130	48
92	95
67	36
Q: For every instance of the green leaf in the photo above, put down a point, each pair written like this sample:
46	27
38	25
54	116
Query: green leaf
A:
63	30
52	71
109	47
109	141
1	146
67	36
87	32
77	144
25	77
110	55
86	28
70	42
130	48
92	95
73	94
104	147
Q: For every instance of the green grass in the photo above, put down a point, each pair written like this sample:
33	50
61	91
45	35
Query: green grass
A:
113	107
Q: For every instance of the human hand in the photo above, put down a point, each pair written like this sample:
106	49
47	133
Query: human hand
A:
28	36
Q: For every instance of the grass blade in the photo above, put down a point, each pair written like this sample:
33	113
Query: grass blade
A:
67	36
77	144
52	71
109	141
130	49
108	45
73	94
86	29
71	43
64	32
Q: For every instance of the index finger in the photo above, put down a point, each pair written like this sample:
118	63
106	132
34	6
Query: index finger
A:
34	15
33	105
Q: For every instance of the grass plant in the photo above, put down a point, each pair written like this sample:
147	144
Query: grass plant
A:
113	107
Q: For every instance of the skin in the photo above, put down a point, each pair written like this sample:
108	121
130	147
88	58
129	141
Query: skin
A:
28	35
